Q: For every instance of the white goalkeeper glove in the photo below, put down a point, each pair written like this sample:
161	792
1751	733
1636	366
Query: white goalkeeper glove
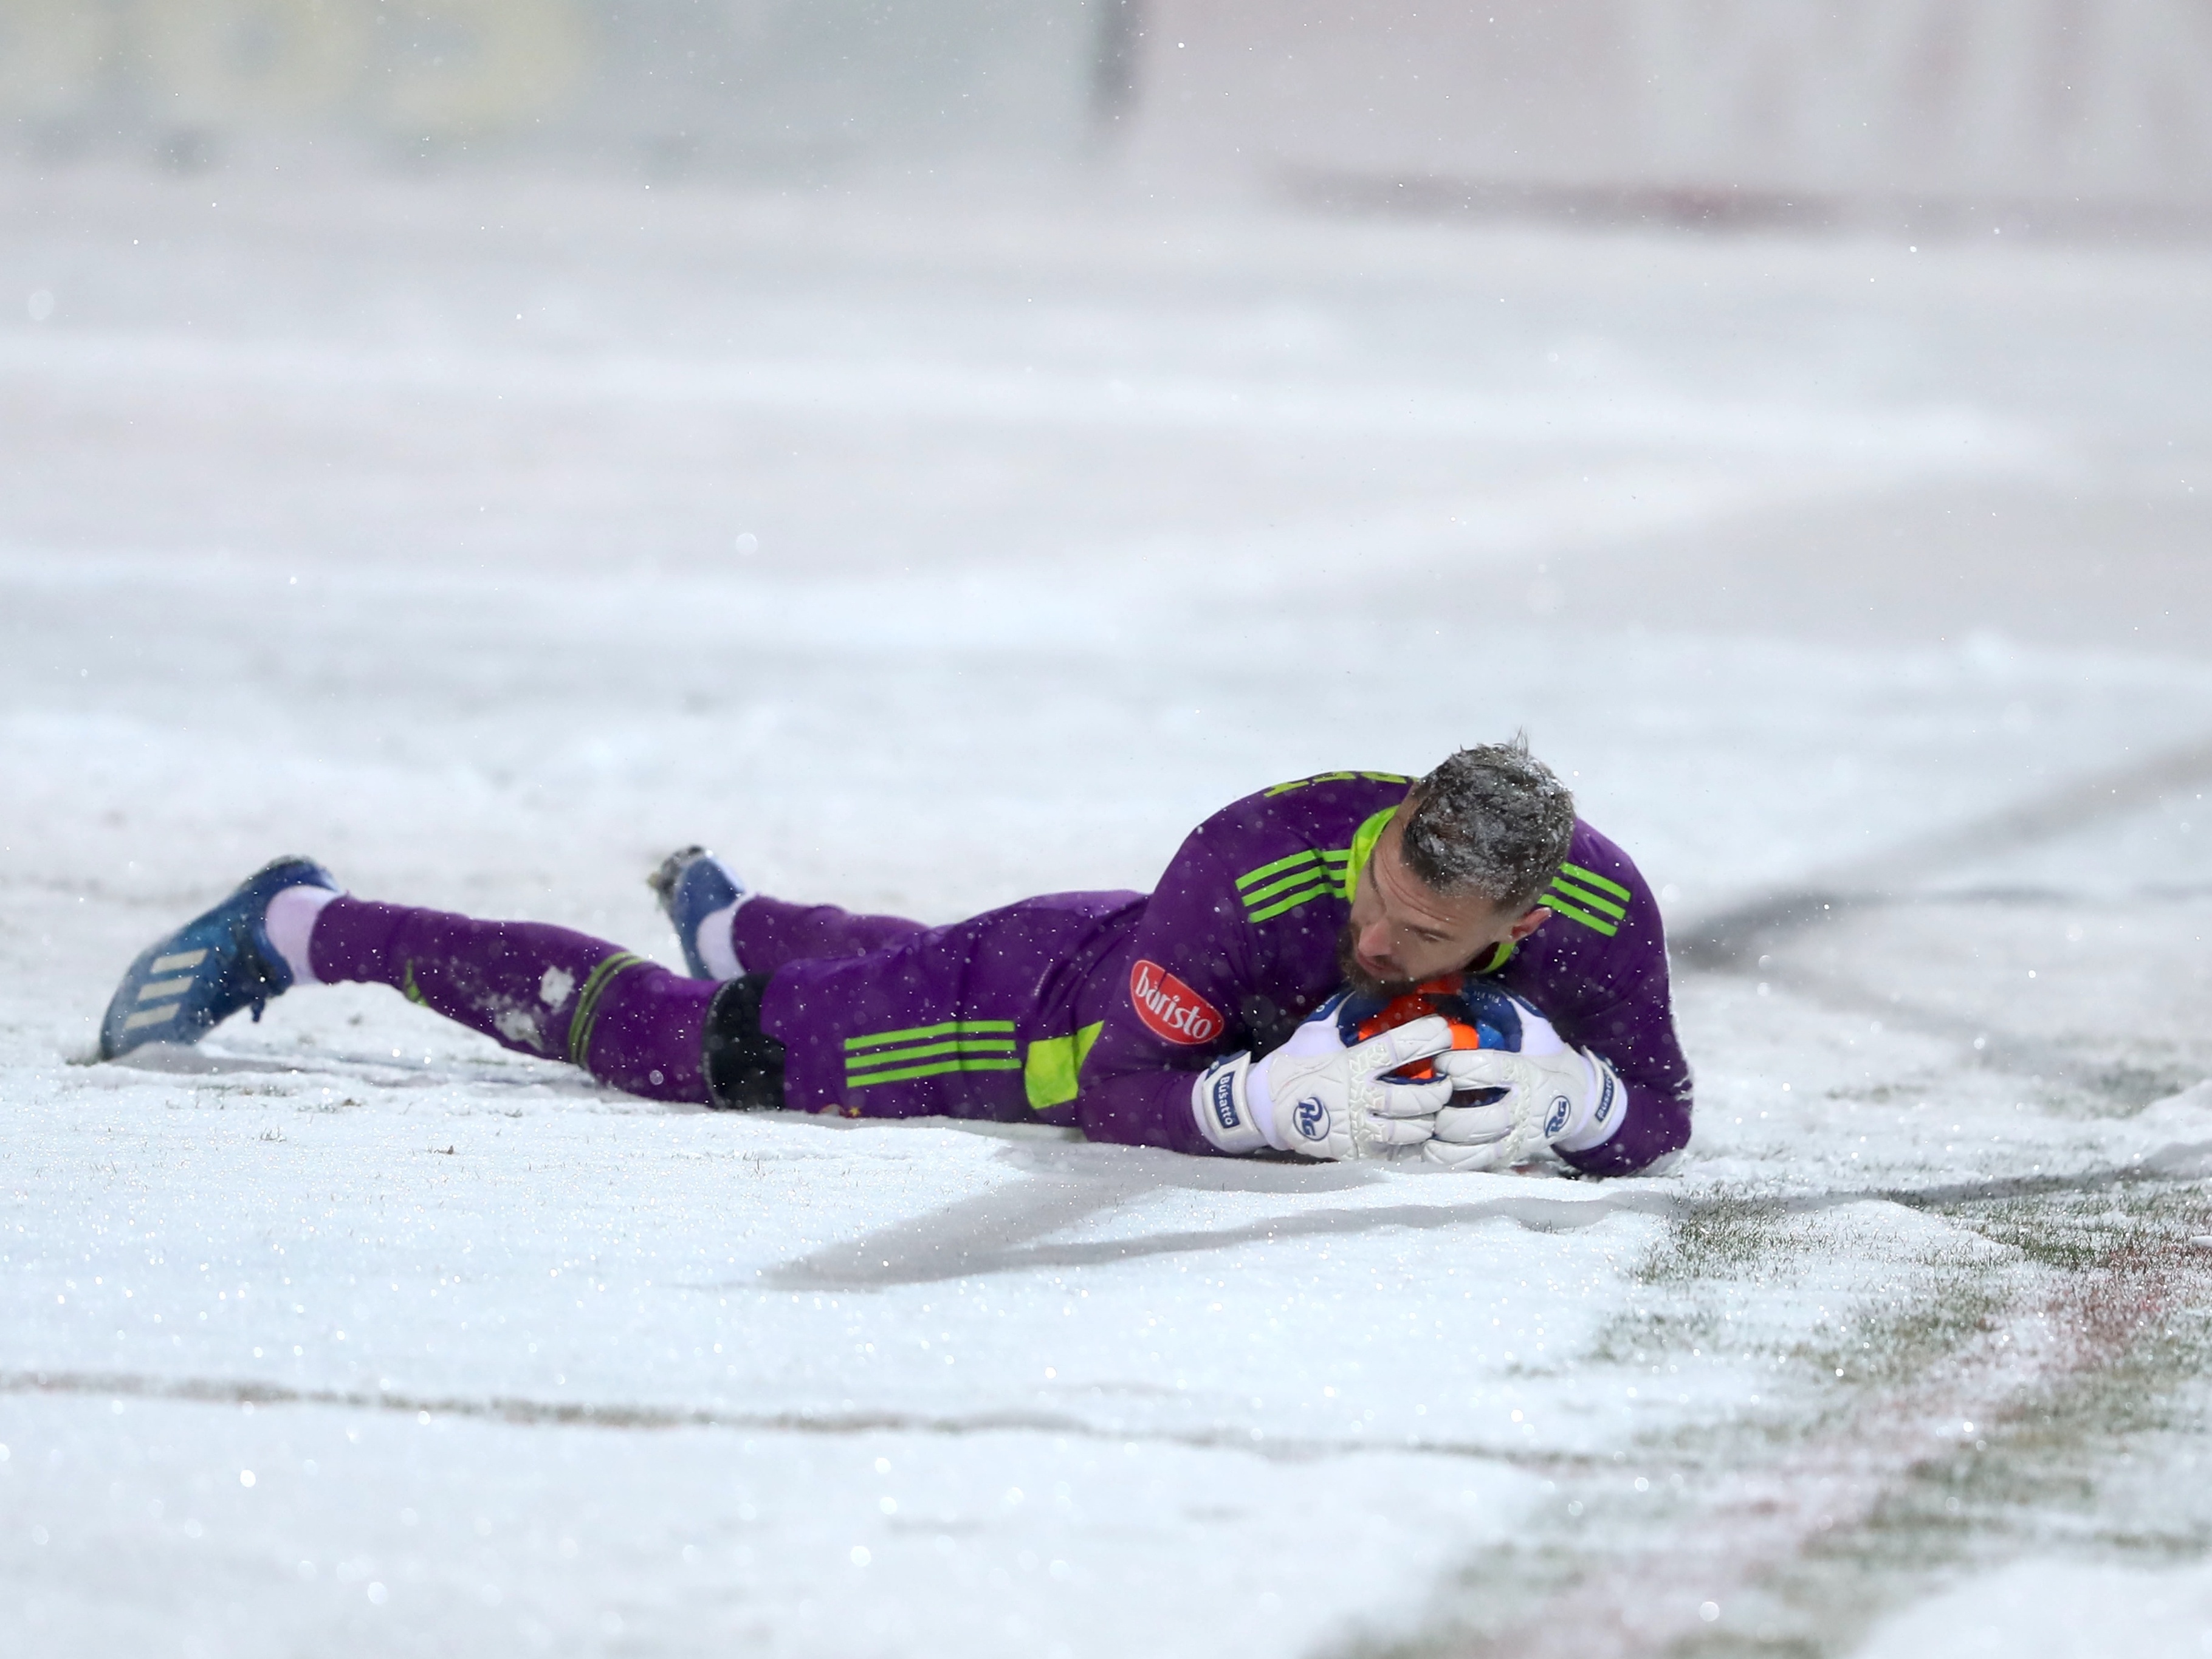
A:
1315	1095
1568	1097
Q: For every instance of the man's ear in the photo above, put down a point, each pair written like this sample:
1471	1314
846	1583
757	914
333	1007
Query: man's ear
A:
1537	915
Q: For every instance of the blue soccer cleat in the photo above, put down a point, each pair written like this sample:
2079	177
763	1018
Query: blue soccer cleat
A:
215	964
692	884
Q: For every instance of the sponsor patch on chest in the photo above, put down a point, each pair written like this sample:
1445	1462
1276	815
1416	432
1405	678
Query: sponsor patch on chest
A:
1171	1011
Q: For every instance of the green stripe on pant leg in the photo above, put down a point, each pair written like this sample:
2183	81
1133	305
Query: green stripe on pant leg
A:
944	1028
855	1064
587	1005
935	1069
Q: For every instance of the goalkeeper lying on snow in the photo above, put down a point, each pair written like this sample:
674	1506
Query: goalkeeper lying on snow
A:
1451	974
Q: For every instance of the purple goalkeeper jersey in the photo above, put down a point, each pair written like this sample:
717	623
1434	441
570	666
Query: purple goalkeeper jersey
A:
1098	1010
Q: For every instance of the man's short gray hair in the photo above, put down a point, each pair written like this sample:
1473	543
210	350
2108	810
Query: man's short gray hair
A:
1493	820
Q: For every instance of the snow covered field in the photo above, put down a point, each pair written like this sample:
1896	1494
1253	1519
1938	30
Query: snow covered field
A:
486	540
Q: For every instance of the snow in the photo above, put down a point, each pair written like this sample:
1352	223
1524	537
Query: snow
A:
2047	1609
486	538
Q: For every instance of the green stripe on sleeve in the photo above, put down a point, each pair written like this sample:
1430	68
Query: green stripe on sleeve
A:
1561	885
1335	777
1317	873
1326	864
1324	888
1259	895
1591	878
1559	907
1267	870
1308	783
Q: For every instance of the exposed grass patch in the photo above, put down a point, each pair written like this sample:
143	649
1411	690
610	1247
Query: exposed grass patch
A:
2072	1466
1893	1346
1736	1242
1726	1238
2080	1464
2119	1086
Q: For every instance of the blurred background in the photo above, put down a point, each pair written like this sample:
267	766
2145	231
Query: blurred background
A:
1702	224
1689	110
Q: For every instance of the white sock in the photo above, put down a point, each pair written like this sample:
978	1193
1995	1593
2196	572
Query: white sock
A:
290	923
717	949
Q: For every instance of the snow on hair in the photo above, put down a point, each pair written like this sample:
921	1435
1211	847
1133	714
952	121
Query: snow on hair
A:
1491	820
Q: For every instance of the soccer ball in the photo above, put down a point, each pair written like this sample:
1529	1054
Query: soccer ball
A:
1480	1015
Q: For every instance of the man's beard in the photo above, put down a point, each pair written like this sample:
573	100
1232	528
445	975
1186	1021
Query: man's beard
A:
1362	982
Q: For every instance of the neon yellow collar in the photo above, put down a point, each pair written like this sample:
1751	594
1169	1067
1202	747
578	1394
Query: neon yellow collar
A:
1363	848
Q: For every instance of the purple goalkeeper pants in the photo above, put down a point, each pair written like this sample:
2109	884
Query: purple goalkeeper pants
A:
533	988
880	1016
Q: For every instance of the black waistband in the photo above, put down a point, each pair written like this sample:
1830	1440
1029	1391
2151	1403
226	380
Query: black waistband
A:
742	1063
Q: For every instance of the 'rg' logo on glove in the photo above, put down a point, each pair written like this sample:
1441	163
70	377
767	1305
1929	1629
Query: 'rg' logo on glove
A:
1557	1120
1312	1119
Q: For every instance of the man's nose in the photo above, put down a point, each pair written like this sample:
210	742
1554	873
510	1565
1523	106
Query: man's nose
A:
1374	941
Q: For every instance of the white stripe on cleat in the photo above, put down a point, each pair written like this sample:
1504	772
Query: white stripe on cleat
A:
182	959
165	987
151	1017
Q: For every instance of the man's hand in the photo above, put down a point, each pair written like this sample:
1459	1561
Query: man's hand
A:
1570	1098
1315	1095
